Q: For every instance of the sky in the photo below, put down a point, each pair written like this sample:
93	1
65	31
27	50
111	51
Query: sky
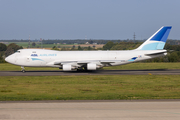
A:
90	19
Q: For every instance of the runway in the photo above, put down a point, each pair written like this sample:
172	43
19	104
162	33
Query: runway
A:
81	110
97	72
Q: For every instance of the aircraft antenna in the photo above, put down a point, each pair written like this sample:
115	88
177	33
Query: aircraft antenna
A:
41	42
29	42
134	36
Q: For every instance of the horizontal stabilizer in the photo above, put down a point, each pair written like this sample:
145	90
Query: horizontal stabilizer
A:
157	53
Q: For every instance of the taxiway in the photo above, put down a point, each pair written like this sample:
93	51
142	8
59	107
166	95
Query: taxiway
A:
98	72
89	110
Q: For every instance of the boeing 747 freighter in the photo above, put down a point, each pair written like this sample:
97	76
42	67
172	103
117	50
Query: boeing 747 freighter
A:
91	60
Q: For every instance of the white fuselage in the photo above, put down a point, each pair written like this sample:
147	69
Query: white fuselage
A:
49	58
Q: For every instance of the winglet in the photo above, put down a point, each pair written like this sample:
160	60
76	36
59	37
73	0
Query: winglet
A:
157	40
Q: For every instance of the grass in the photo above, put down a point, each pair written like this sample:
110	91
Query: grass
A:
133	66
138	66
26	44
108	87
10	67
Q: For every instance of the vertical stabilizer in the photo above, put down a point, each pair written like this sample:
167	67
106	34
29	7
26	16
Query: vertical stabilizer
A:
157	40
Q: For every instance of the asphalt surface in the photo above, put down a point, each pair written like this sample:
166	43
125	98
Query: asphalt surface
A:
91	110
97	72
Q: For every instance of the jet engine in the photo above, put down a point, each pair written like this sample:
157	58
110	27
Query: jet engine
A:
91	66
67	67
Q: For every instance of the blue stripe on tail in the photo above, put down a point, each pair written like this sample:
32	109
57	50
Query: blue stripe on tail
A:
162	35
157	40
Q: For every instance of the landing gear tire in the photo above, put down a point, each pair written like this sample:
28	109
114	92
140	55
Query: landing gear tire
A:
85	69
79	70
23	70
82	69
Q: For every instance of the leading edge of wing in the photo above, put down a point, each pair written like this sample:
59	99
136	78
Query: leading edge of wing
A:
86	62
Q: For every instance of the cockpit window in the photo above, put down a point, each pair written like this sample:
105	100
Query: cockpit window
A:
34	52
17	51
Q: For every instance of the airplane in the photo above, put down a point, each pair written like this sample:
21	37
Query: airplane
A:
91	60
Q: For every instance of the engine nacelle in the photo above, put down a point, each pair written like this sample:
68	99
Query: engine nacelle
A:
67	67
91	66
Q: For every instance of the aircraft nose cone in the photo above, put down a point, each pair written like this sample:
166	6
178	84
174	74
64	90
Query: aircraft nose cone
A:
10	59
7	59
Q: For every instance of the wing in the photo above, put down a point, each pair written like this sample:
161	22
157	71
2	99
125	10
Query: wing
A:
89	64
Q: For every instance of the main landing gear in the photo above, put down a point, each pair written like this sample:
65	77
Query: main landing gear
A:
23	69
82	69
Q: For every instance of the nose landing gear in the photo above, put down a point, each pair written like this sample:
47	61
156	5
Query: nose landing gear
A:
23	69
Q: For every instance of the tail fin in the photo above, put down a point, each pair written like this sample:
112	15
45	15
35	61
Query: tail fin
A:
157	40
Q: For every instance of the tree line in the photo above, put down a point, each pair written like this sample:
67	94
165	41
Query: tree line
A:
173	54
76	48
8	50
90	41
